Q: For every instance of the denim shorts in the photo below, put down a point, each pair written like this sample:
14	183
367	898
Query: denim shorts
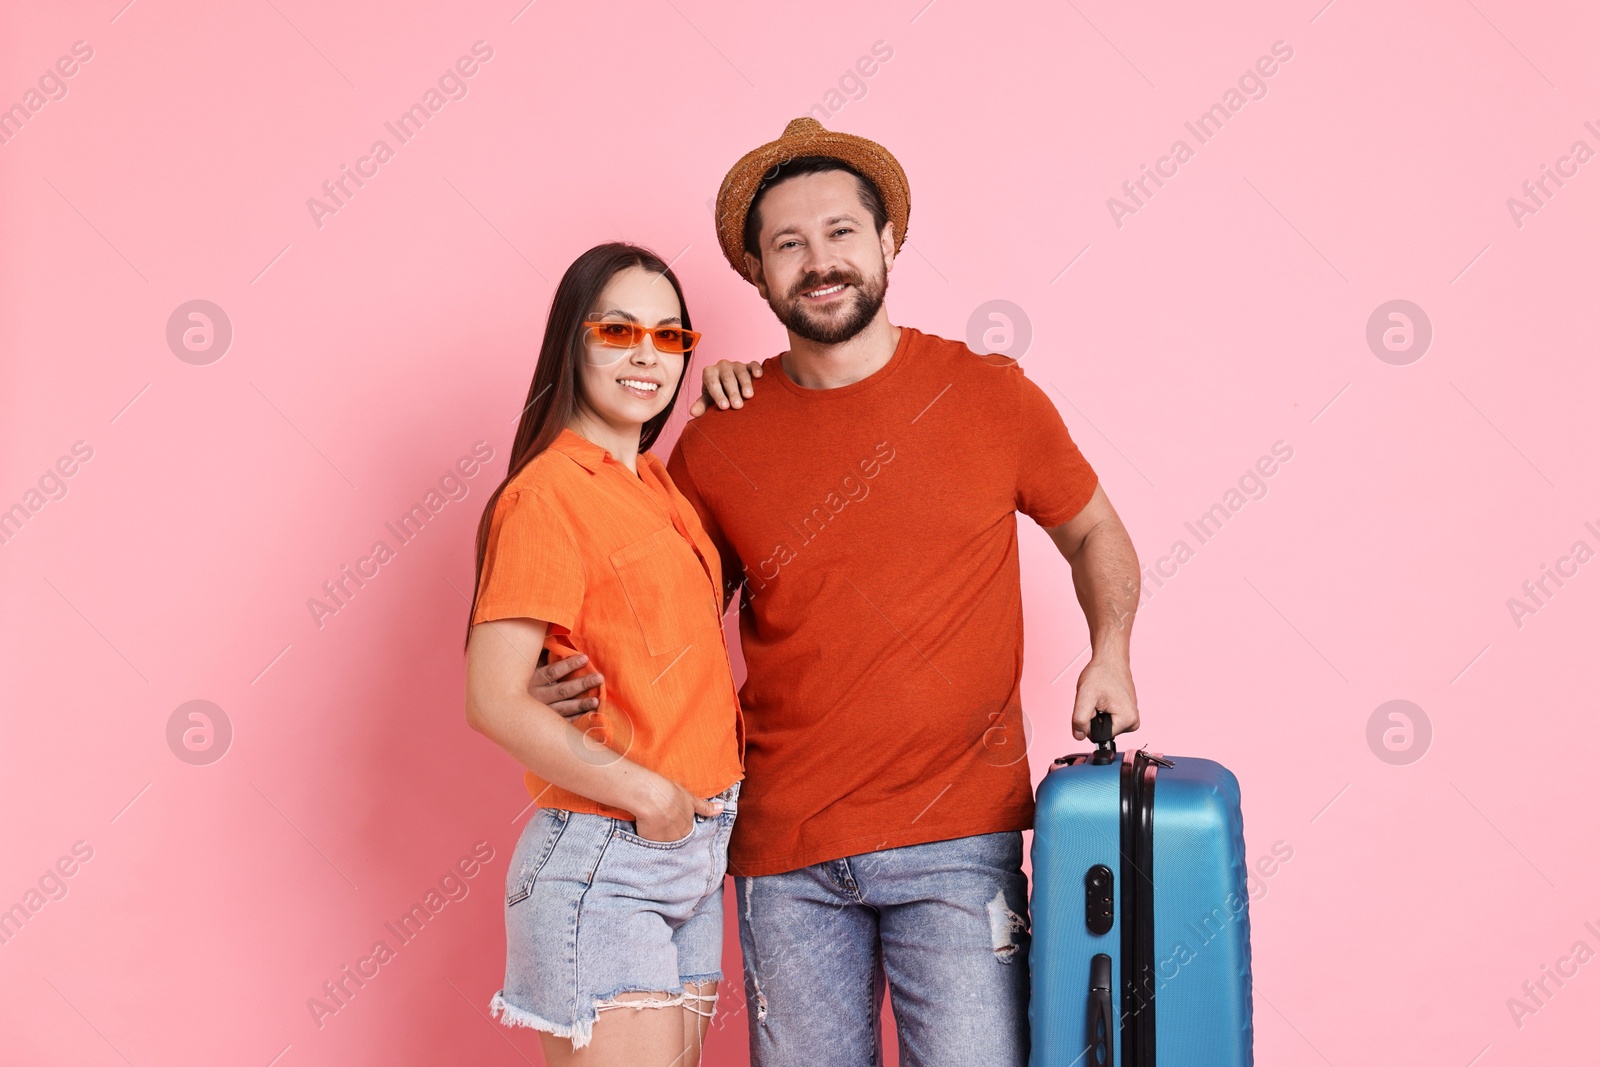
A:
594	911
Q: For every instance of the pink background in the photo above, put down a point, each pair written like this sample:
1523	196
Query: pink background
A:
1228	313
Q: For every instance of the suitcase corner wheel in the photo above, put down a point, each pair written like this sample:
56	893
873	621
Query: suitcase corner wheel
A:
1141	926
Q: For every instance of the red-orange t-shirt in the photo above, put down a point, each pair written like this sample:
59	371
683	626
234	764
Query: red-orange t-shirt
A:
875	526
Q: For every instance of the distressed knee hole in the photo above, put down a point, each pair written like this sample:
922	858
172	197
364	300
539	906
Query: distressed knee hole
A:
760	1000
1003	924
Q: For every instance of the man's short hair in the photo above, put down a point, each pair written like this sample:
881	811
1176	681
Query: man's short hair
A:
871	198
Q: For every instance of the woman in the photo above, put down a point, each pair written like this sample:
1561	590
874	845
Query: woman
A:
614	893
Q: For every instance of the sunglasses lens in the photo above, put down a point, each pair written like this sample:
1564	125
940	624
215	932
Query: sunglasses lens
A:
669	339
608	343
616	334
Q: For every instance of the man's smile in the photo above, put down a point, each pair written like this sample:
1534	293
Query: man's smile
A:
825	293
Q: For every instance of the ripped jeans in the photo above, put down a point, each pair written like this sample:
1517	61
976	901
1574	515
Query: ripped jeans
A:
944	923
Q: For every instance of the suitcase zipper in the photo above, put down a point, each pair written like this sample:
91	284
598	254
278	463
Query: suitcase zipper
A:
1138	1004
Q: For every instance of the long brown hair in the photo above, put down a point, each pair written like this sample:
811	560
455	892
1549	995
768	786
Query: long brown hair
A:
553	394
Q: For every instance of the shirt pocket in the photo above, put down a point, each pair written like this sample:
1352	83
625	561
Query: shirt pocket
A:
667	588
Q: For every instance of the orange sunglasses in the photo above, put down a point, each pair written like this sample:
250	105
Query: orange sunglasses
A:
672	339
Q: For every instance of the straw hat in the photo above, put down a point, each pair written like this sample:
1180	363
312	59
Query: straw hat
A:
807	137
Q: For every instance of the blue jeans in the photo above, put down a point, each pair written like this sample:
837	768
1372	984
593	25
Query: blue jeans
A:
945	923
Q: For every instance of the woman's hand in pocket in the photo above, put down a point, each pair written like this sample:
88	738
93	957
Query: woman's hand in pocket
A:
666	810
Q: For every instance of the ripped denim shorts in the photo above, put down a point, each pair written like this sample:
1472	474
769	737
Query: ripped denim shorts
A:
594	911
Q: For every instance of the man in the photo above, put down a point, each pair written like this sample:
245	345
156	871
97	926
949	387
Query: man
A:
867	501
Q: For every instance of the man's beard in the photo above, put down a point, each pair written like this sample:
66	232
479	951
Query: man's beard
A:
838	324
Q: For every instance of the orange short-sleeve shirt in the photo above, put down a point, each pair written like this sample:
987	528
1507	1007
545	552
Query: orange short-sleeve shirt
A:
620	568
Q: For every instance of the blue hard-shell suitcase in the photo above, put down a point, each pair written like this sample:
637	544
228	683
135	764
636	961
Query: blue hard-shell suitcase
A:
1141	922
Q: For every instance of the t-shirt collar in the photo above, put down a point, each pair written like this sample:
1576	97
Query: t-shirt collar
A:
908	335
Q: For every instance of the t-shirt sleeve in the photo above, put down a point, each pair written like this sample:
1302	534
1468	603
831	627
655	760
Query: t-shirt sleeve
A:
1054	481
531	567
683	478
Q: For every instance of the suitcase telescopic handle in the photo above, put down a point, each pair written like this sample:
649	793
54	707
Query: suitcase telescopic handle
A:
1105	748
1099	1050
